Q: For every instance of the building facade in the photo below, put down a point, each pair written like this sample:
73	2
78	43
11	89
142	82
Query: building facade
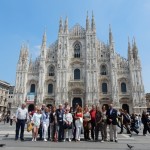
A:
148	101
4	94
79	68
11	103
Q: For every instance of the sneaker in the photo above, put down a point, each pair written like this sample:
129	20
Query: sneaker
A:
69	140
102	141
45	140
33	140
64	140
22	139
116	141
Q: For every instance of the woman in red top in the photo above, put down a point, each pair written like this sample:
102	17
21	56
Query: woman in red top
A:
78	122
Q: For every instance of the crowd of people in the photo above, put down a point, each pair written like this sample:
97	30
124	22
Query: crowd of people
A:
67	124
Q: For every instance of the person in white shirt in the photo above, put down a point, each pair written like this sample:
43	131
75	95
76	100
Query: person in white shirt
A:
36	120
21	118
45	122
67	119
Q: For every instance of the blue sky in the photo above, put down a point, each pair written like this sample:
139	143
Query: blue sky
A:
25	21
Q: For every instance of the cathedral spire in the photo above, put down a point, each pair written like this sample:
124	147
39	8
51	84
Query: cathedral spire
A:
43	47
87	22
129	50
93	23
60	26
134	49
66	25
110	35
44	39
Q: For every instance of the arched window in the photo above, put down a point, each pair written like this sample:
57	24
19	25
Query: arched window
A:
104	88
103	70
51	71
50	88
32	88
77	51
123	88
77	74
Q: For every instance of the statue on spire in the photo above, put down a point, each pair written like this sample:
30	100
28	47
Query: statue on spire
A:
66	25
60	26
87	22
93	27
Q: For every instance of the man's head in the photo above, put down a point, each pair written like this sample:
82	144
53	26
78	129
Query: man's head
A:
43	106
66	104
23	105
93	107
110	105
97	108
60	106
46	109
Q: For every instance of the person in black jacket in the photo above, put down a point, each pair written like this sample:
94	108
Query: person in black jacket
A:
112	122
59	116
134	124
144	121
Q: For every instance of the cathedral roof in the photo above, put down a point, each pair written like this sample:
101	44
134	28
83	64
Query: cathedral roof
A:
77	31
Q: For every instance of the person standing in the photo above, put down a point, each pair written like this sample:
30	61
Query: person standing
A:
86	123
36	120
78	122
21	118
41	127
67	118
59	115
53	123
98	123
112	122
104	123
144	121
93	113
45	122
11	119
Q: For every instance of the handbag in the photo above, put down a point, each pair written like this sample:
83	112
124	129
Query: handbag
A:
29	126
67	126
89	125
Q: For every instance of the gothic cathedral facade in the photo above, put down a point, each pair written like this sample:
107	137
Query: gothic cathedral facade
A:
78	68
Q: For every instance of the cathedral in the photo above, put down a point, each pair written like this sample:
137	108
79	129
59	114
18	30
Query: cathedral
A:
78	68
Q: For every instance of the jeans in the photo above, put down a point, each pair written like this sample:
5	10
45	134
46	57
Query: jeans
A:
78	132
45	128
60	131
92	129
145	128
20	123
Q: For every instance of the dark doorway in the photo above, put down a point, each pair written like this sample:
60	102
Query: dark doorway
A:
75	101
106	106
31	108
125	107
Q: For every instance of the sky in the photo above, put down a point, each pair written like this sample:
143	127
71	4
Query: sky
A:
24	21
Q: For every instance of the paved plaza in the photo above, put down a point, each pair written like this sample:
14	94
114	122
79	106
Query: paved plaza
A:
138	141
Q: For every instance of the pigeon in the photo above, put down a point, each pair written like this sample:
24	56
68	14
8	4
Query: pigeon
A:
6	135
130	146
2	145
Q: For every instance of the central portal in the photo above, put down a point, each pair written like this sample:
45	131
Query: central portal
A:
76	100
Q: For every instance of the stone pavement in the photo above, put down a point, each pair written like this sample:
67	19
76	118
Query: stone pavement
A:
139	142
